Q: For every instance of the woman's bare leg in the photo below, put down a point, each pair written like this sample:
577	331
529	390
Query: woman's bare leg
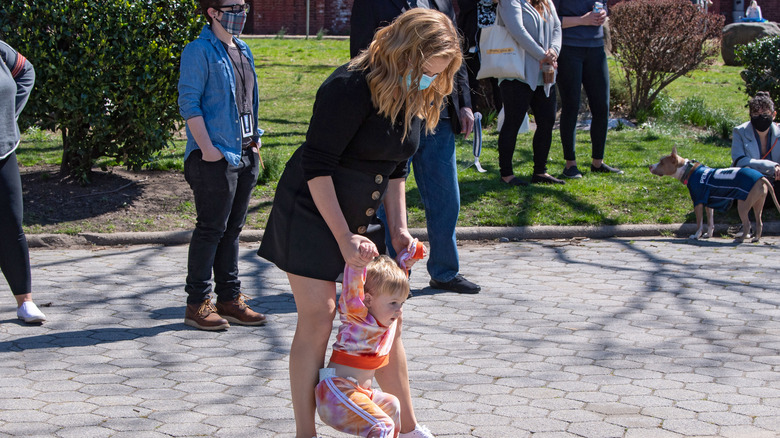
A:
394	378
316	304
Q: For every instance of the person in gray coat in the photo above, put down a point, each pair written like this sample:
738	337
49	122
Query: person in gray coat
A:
755	143
535	26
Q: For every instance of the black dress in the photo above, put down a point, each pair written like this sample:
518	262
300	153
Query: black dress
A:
349	141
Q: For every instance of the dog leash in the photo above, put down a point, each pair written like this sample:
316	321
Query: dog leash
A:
477	149
770	150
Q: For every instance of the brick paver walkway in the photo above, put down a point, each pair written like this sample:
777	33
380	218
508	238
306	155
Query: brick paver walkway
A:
638	338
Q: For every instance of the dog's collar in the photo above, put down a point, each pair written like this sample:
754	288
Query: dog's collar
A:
690	166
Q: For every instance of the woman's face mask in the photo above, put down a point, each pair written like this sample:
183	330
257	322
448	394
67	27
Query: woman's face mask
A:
425	81
761	122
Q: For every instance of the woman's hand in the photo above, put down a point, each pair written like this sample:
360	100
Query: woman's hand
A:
594	18
402	240
550	57
777	172
357	250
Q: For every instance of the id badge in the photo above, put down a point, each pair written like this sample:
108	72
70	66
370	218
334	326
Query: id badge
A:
246	125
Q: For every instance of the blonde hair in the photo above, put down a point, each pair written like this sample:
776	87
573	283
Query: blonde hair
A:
385	277
401	49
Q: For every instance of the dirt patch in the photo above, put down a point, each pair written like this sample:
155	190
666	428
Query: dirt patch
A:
116	200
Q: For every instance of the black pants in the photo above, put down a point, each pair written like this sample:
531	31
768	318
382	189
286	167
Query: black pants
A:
586	67
518	97
14	255
222	194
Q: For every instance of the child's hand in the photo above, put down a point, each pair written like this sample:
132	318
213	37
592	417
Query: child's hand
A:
357	250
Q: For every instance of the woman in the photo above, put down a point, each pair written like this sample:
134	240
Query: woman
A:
365	125
754	144
17	77
583	64
537	30
218	99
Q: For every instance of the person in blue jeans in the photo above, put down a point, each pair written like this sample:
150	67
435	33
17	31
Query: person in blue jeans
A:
583	63
434	162
218	98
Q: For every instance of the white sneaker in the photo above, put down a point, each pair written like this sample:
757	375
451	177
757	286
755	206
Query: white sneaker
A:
419	431
30	313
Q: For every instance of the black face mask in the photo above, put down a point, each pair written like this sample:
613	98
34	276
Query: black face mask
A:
761	123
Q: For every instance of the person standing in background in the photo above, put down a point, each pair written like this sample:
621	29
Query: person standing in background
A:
434	164
17	77
583	63
218	98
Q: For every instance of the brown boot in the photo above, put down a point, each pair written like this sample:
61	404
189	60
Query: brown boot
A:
204	316
238	312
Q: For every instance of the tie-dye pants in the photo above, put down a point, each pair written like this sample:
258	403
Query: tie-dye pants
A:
346	407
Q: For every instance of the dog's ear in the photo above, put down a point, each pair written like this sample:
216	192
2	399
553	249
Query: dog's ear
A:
674	151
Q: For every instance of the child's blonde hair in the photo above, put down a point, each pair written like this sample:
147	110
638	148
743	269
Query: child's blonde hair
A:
384	276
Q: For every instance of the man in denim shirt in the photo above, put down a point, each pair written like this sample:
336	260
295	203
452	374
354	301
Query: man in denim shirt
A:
220	161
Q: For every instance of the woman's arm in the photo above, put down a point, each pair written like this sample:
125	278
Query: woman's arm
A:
323	192
395	207
22	72
511	14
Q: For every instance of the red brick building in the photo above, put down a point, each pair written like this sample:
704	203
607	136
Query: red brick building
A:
270	16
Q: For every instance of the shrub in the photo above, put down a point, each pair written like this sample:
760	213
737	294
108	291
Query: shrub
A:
106	73
761	59
657	41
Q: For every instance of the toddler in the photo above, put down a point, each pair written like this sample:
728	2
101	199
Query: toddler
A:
369	309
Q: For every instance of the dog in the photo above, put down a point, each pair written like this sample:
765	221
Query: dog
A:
713	189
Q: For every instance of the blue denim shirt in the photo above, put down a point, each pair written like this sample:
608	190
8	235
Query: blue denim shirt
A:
205	75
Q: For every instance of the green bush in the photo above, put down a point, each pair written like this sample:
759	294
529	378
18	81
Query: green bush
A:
106	73
761	59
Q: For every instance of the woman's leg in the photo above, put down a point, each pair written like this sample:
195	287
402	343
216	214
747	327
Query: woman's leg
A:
14	253
516	96
393	378
569	85
595	80
544	115
316	304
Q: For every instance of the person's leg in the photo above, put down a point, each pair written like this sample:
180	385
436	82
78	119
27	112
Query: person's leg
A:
243	180
569	83
213	187
14	253
516	96
393	378
595	80
348	408
544	115
436	174
315	301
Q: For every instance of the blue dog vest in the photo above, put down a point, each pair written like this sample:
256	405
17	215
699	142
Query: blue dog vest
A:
717	188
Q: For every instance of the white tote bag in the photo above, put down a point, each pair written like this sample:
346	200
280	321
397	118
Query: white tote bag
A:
499	54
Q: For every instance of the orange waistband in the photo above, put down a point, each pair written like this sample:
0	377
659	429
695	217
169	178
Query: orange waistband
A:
361	362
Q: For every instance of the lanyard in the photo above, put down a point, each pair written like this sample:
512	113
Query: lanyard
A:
240	73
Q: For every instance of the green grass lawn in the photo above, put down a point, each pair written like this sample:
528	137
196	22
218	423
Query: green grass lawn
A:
290	71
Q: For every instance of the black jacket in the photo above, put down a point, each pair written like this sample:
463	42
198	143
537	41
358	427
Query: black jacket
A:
370	15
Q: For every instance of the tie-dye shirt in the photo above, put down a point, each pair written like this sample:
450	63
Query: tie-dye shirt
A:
361	341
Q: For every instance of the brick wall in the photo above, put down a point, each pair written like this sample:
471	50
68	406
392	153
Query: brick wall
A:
270	16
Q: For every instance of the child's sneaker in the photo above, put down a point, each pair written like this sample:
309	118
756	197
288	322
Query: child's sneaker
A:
29	312
419	431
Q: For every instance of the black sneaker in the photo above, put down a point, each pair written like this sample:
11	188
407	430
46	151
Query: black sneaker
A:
572	172
458	284
546	179
604	168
